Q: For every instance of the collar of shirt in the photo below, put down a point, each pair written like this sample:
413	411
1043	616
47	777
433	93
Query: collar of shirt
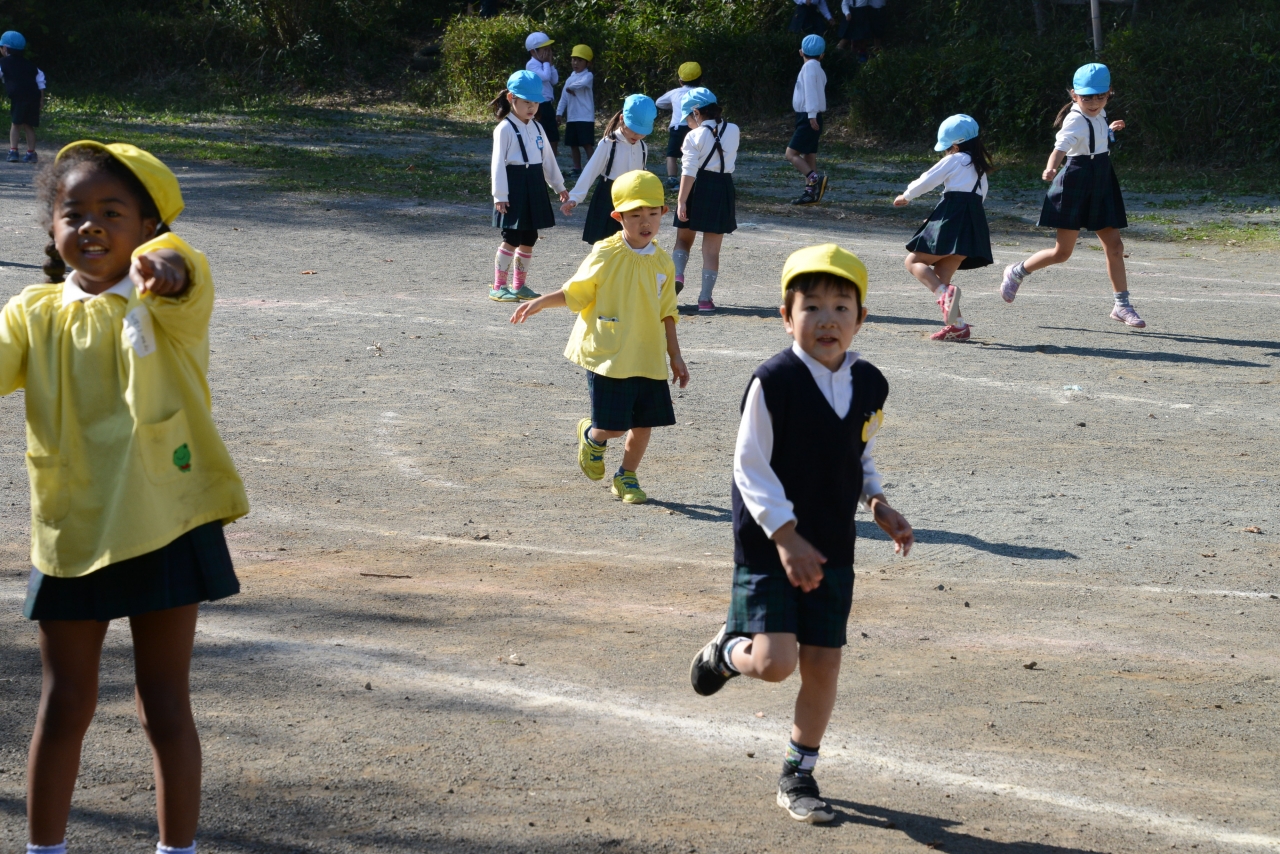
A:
836	386
648	250
72	292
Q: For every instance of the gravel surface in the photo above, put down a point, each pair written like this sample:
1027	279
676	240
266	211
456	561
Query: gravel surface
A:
450	640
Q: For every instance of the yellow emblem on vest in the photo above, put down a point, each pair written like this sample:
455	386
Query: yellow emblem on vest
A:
872	426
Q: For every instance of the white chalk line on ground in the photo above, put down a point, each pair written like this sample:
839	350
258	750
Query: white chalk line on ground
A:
411	669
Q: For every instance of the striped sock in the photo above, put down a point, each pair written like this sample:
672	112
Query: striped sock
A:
501	266
799	759
729	647
523	260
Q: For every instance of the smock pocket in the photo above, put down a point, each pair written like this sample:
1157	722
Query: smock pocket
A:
606	335
50	498
166	448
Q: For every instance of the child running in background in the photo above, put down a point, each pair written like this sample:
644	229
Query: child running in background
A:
625	333
622	150
707	203
1086	193
689	74
130	482
802	464
24	84
955	236
578	106
517	172
540	63
810	104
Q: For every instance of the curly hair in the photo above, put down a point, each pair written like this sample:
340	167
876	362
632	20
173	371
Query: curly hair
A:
50	179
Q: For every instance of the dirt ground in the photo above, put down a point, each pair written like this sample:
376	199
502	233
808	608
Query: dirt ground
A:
450	640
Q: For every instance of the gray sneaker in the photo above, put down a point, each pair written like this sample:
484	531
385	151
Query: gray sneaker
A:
1009	286
798	795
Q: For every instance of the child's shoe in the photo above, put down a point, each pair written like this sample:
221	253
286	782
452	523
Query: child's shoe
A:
1010	284
526	293
13	155
1126	315
809	196
822	185
679	284
706	306
627	487
672	182
708	672
503	295
951	332
798	795
30	157
950	302
590	455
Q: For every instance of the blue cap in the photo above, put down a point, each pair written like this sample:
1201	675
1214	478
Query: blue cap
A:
694	99
813	45
1092	79
957	128
527	85
638	113
13	40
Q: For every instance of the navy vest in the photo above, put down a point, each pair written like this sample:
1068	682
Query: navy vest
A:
19	77
816	455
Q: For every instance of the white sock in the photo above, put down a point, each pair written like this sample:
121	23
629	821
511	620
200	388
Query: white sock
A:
165	849
728	652
60	848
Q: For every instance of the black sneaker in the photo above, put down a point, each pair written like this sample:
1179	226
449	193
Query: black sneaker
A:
798	795
809	196
707	672
822	185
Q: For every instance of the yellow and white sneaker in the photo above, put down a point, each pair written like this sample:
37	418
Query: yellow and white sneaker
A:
626	487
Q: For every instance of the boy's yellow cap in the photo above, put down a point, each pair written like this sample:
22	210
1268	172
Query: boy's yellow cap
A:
638	188
827	258
689	71
582	51
159	180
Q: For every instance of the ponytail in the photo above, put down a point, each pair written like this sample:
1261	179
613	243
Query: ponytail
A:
978	155
614	124
55	269
500	105
1062	114
711	112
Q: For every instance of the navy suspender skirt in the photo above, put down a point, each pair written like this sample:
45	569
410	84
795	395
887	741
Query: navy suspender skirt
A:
527	204
712	202
957	226
1085	194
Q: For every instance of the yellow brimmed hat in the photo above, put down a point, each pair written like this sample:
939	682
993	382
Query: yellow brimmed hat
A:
582	51
689	71
827	258
159	180
637	189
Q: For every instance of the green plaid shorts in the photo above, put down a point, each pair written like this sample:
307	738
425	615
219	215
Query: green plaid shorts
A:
764	600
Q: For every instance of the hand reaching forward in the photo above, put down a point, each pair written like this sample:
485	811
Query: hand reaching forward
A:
162	272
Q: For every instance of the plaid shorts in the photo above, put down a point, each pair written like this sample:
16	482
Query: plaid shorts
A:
620	404
764	600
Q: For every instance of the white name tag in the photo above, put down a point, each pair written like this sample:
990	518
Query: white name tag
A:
662	278
139	331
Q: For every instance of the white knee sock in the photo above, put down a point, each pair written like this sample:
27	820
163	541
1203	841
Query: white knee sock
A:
523	262
501	265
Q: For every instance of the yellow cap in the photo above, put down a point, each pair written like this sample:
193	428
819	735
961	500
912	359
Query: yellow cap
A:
583	52
159	180
689	72
827	258
637	189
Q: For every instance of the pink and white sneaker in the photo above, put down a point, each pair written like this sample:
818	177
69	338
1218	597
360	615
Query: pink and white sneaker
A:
1126	315
952	332
706	306
1009	286
949	301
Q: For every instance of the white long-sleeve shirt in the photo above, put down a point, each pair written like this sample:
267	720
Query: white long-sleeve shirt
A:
506	151
698	144
672	101
810	95
1073	137
629	157
761	489
821	4
577	98
954	172
550	77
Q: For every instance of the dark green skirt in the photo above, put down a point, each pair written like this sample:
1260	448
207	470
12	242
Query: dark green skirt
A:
957	226
196	567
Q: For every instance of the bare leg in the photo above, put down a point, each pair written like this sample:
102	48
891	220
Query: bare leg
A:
162	642
31	137
933	271
1114	247
13	144
637	443
576	151
819	674
1064	245
800	161
768	656
711	251
69	654
685	238
673	167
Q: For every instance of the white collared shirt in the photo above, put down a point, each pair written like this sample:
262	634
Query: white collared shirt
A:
821	4
550	77
1073	137
671	101
698	144
577	98
628	158
810	95
506	152
761	489
72	292
954	172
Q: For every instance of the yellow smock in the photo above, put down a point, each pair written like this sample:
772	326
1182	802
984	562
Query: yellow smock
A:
622	297
122	451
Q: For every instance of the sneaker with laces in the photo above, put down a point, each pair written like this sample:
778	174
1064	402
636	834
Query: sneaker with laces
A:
951	332
672	182
1010	284
590	455
627	487
707	672
30	157
1126	315
950	303
808	197
526	293
822	185
798	795
706	306
13	155
503	295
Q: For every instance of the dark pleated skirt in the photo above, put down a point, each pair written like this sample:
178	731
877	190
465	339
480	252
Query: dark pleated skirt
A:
857	27
599	224
1085	195
712	204
528	206
957	226
196	567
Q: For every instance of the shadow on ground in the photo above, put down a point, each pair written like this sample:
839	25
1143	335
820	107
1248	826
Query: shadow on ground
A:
929	536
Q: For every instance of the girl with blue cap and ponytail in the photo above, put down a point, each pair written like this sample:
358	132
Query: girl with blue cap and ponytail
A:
955	236
1084	194
517	174
707	202
621	150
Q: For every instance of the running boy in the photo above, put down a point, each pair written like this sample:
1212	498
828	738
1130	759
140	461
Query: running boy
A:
801	465
625	298
24	84
810	103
